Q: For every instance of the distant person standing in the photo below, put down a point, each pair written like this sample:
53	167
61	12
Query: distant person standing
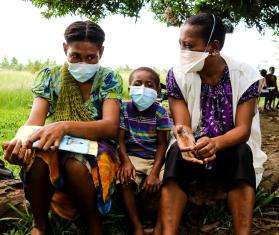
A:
263	73
263	90
271	84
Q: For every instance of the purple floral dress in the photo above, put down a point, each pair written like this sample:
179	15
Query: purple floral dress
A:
216	103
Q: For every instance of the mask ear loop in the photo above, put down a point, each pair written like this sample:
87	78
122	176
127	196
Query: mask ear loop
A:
200	129
212	31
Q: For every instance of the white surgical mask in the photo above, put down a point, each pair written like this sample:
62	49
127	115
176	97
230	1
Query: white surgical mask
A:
193	61
82	72
143	97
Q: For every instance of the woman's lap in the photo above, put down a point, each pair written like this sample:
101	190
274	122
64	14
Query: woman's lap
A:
232	165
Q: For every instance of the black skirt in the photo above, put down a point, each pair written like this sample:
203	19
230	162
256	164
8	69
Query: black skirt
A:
231	166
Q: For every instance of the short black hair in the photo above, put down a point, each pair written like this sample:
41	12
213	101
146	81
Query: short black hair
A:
272	68
206	21
155	76
84	31
263	72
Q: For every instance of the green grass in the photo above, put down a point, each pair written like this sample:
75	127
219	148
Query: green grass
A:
15	103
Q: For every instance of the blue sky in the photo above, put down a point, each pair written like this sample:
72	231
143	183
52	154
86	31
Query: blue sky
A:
147	42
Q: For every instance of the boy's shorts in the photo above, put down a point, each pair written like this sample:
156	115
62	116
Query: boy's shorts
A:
143	168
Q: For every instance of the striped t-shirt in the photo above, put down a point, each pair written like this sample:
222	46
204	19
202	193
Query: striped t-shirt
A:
141	128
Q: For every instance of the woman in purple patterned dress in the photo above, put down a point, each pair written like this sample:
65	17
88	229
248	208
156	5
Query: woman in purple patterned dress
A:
212	99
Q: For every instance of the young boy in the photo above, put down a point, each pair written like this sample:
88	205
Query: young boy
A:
143	134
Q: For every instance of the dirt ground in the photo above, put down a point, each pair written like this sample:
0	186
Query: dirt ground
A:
270	131
269	223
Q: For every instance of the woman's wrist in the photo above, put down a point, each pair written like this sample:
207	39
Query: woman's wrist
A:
218	145
184	131
185	128
66	127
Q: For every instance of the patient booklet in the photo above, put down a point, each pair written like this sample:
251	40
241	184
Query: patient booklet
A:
68	143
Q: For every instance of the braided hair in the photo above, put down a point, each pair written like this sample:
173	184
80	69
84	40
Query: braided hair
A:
84	31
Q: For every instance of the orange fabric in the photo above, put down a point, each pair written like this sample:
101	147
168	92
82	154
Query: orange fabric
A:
105	173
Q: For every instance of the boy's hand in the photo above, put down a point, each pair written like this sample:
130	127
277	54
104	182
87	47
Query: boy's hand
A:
126	172
152	183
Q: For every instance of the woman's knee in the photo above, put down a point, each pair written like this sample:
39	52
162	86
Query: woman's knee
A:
77	175
80	186
169	183
171	186
38	171
37	179
243	187
74	166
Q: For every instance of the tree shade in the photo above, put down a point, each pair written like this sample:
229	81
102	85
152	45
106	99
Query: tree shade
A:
260	13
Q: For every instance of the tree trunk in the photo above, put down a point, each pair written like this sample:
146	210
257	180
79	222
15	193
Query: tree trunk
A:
11	194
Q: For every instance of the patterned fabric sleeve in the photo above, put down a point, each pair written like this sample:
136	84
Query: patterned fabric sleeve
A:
47	84
163	121
172	88
42	86
250	93
112	87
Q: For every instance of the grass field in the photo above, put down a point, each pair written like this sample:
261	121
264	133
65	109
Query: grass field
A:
15	103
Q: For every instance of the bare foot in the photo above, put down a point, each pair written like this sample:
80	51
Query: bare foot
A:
36	231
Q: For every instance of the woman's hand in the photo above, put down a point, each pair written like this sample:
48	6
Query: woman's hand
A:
206	149
49	136
16	152
186	143
184	137
126	172
152	183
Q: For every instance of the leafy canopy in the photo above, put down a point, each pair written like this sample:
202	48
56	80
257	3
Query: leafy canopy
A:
259	13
